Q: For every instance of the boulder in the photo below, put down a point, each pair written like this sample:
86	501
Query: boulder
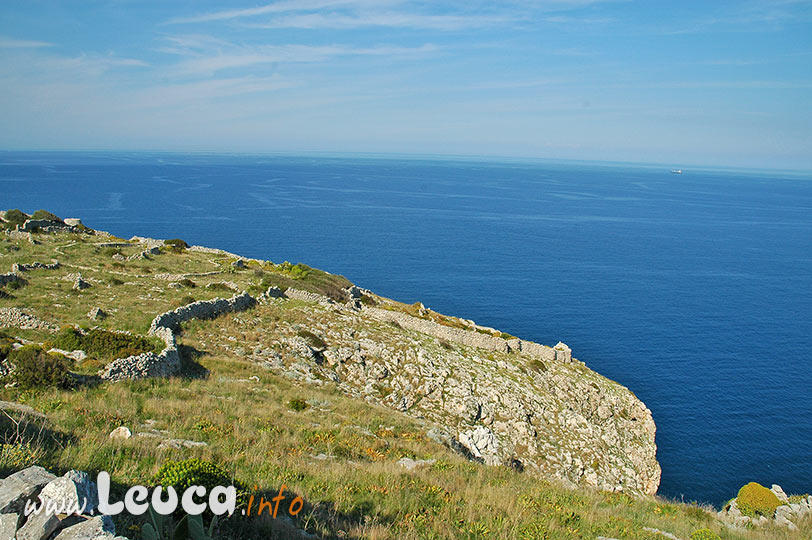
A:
8	526
779	492
97	528
75	488
121	433
39	526
73	222
80	284
21	486
97	314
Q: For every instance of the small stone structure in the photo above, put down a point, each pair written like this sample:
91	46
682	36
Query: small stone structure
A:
164	326
17	267
471	338
46	225
75	491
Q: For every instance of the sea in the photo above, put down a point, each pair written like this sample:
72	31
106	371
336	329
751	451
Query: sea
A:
694	290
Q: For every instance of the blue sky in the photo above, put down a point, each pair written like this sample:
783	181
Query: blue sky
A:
688	82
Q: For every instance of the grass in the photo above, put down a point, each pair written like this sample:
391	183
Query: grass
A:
338	453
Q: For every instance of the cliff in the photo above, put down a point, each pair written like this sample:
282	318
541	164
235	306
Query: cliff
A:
495	398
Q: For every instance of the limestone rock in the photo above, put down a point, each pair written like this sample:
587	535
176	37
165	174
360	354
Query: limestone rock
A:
121	433
8	526
482	444
39	526
22	485
96	528
97	314
412	464
74	488
80	284
779	492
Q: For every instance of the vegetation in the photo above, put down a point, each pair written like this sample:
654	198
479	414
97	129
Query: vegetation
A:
192	472
297	404
46	215
15	217
754	499
705	534
176	244
34	368
312	339
103	344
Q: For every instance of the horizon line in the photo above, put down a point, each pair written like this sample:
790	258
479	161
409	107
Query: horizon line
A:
416	156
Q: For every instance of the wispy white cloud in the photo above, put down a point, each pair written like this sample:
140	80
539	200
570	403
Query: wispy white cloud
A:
277	7
11	43
384	19
205	56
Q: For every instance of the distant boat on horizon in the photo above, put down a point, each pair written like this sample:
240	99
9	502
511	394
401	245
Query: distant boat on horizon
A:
676	171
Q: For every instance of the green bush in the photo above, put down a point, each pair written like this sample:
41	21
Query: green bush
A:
102	344
197	472
6	343
537	365
754	499
298	404
704	534
177	244
35	368
46	215
15	217
315	341
295	271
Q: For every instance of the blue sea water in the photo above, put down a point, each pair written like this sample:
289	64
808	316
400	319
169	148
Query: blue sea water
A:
693	290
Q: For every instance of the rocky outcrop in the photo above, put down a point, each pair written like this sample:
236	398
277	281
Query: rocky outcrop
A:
785	515
10	277
498	401
75	494
164	326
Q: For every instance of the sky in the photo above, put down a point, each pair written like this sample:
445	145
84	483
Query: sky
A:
719	83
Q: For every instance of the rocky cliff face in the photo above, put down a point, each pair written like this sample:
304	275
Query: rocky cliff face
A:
530	407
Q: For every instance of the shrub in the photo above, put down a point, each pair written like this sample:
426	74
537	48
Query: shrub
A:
103	344
15	217
35	368
19	455
115	282
177	244
537	365
6	343
704	534
196	472
186	282
756	499
295	271
315	341
46	215
297	404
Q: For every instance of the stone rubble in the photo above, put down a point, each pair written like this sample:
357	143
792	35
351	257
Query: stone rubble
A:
35	484
17	318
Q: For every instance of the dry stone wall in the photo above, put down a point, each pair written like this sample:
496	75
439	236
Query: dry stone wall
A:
164	327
